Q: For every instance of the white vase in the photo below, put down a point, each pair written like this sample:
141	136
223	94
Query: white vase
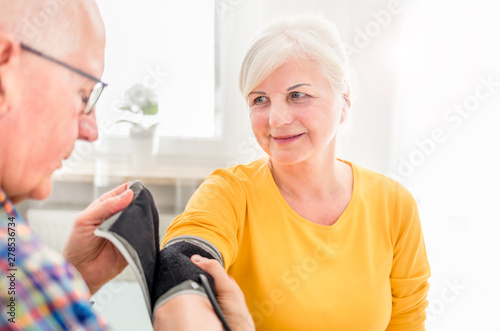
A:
142	147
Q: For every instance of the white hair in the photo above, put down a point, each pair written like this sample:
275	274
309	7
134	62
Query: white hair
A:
303	38
46	25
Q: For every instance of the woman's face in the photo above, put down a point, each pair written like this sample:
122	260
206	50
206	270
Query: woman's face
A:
295	114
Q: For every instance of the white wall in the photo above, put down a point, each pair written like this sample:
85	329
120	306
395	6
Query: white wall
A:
445	150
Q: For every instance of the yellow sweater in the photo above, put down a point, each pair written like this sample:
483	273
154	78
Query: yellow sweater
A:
368	271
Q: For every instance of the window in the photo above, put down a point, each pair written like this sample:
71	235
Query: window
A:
168	46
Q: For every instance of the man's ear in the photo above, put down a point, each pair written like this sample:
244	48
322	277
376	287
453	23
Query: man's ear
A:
9	55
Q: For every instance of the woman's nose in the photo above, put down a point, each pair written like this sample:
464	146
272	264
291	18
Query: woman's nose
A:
280	114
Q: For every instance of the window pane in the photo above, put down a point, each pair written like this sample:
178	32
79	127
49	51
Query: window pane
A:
168	46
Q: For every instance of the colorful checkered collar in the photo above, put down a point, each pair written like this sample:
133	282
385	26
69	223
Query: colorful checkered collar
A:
7	205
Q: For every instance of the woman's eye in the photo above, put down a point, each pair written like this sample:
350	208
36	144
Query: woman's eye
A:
297	95
259	100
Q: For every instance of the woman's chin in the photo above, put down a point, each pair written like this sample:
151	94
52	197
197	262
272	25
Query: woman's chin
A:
287	157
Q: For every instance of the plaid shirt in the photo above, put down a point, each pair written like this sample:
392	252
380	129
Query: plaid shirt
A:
39	290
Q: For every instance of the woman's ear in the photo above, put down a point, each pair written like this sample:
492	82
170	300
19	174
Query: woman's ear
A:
347	104
347	97
9	51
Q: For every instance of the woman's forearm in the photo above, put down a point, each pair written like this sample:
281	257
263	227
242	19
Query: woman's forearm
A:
187	312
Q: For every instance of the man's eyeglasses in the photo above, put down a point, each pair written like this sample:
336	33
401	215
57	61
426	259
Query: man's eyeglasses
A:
90	101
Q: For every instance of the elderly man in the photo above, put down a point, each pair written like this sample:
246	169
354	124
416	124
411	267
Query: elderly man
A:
46	103
51	61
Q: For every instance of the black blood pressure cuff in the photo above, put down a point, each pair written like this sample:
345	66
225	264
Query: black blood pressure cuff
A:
162	274
176	274
134	232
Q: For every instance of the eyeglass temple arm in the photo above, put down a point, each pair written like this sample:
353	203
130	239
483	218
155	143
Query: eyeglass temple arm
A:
67	66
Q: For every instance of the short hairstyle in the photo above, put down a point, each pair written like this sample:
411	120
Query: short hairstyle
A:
46	25
307	37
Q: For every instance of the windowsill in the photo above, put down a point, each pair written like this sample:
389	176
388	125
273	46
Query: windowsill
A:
106	170
121	158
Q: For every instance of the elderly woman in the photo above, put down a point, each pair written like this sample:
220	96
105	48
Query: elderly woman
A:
314	242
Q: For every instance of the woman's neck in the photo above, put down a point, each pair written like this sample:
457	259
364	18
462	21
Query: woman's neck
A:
319	177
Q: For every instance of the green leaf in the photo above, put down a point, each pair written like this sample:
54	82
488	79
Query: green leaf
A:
127	108
127	121
150	110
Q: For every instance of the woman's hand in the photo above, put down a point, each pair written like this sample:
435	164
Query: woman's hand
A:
229	295
96	258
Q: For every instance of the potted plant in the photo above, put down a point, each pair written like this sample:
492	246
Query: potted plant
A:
140	105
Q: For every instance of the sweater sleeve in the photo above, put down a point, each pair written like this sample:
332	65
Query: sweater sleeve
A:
410	267
216	213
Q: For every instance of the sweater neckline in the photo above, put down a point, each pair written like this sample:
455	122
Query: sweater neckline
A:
303	221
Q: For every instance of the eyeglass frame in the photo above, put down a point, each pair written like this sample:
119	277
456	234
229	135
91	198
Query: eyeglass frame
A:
99	86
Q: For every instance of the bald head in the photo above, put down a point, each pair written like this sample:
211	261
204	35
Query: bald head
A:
53	26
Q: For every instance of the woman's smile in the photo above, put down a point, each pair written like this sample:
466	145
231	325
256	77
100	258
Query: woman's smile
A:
287	139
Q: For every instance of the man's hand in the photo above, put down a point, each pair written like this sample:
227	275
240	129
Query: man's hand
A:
229	295
97	259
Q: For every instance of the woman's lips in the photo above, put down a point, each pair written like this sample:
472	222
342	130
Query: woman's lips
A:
287	139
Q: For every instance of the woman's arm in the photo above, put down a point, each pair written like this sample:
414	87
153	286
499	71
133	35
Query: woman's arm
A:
410	268
194	312
215	214
186	312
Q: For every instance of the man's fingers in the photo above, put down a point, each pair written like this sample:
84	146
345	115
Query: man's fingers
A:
107	208
213	267
114	193
113	205
110	194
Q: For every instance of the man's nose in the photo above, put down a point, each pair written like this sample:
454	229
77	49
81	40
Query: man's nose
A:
87	127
